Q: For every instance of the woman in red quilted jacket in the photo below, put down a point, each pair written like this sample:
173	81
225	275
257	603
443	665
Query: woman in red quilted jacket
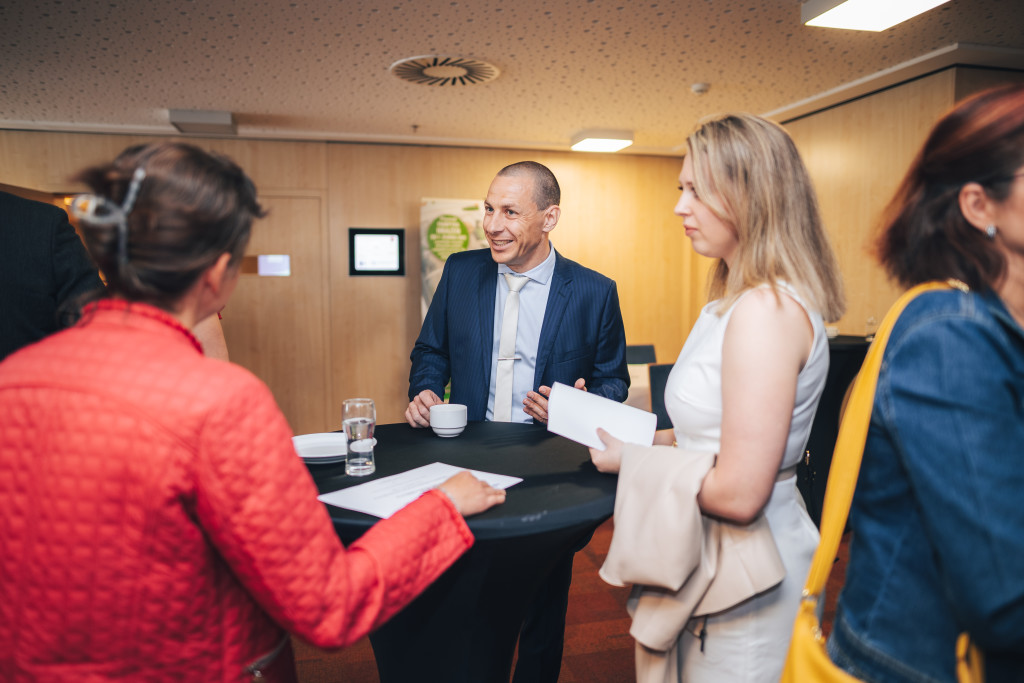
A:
156	522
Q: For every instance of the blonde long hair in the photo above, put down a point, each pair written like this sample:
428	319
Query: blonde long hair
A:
748	172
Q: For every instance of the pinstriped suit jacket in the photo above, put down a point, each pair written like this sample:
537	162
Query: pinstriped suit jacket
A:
582	334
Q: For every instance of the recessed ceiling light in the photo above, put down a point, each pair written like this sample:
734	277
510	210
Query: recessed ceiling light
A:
442	70
863	15
601	140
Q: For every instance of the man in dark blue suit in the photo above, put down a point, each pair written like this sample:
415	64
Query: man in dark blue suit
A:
574	317
569	330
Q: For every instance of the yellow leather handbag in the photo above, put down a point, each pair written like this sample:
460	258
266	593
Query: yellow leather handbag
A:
807	659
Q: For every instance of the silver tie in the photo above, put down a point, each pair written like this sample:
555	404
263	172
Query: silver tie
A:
507	349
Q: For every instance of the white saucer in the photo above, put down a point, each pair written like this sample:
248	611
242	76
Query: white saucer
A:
323	448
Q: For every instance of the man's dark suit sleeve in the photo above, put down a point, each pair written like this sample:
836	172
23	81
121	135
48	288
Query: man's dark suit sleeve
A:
74	272
611	377
431	364
43	266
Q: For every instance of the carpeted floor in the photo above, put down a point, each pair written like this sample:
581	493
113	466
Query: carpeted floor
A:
598	647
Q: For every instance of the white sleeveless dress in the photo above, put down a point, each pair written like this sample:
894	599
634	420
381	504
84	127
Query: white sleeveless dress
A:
748	642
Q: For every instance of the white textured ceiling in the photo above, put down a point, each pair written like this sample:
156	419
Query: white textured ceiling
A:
318	69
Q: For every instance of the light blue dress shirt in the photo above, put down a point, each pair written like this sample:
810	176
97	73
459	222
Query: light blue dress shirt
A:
533	300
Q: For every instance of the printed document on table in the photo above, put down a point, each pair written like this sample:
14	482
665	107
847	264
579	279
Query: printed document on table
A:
576	415
386	496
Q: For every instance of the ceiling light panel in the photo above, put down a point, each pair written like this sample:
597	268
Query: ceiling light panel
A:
863	15
601	140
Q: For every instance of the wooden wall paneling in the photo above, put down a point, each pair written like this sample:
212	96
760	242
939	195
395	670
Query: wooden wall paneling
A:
617	219
68	153
971	80
856	154
273	164
369	320
276	326
46	161
34	195
17	162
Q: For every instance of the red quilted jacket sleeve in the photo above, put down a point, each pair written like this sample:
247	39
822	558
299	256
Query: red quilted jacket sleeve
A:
257	503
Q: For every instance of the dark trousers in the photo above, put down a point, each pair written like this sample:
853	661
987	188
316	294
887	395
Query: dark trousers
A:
543	631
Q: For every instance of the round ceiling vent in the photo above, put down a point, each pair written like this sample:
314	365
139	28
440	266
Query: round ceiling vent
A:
441	70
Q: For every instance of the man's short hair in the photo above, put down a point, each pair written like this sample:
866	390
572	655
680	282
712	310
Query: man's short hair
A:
546	191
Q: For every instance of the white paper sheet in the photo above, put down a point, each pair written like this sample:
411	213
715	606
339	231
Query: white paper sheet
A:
576	415
386	496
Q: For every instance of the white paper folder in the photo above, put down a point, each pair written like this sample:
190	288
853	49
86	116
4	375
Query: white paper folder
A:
576	415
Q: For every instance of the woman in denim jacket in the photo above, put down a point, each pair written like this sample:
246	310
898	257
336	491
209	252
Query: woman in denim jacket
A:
938	516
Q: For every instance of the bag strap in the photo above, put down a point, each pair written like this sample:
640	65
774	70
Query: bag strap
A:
853	433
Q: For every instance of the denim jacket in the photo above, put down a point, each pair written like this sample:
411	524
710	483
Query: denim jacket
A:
938	515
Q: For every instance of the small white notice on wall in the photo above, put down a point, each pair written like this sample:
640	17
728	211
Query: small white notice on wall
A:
377	252
274	265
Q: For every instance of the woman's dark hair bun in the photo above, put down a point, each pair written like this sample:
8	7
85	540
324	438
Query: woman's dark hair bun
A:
163	213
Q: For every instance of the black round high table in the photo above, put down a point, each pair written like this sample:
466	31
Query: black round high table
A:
464	627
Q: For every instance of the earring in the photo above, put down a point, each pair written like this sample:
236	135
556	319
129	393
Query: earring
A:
990	231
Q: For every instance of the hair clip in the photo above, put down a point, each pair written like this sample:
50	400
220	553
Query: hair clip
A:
99	210
133	191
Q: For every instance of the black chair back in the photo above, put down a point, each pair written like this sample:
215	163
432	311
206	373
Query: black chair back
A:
846	356
659	376
640	354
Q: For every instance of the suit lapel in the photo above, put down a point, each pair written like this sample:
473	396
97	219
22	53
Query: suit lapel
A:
487	287
558	299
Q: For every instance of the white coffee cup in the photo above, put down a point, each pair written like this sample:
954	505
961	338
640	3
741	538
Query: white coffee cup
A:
448	419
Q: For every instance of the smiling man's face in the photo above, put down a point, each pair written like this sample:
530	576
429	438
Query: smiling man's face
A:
516	229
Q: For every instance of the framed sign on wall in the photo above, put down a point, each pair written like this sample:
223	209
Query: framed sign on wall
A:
376	251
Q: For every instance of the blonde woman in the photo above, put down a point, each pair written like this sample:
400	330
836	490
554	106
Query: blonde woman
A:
748	380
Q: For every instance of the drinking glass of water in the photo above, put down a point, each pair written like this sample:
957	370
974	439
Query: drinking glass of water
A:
359	417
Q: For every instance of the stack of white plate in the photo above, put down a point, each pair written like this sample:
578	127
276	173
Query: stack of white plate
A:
323	448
